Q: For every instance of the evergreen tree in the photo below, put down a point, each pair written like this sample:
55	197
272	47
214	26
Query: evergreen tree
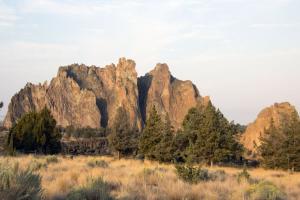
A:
1	104
35	132
210	135
47	134
164	150
123	138
280	147
293	143
151	135
180	145
270	143
238	128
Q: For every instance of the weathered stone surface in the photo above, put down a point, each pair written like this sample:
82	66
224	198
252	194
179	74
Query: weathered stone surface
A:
69	104
169	95
113	86
30	98
85	96
280	113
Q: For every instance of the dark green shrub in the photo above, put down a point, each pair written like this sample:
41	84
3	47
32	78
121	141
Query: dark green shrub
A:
195	175
95	190
98	163
148	172
192	174
52	159
19	184
243	176
36	165
35	132
86	132
264	190
140	157
218	175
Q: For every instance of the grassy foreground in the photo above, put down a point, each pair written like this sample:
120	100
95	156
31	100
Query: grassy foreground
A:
134	179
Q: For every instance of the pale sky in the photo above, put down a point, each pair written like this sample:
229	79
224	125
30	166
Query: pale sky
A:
245	54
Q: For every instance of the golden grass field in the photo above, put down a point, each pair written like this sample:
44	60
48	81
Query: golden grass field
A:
130	180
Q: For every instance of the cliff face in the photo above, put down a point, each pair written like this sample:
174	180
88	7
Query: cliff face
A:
89	96
169	95
30	98
280	113
113	86
69	104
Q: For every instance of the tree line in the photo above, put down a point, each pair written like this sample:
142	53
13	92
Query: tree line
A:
206	137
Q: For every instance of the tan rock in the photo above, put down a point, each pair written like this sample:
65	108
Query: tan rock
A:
280	113
89	96
169	95
113	86
30	98
69	104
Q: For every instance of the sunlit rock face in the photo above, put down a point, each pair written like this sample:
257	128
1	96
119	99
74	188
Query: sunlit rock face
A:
279	113
169	95
89	96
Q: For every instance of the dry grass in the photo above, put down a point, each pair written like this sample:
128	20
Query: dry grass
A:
134	179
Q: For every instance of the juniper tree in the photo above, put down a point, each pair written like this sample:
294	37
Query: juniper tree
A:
164	150
280	146
35	131
123	138
151	135
270	142
210	135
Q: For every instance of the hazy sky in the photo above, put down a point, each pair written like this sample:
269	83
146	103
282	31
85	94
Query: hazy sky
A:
245	54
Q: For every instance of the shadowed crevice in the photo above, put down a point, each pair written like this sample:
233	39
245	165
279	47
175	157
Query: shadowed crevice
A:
102	105
144	83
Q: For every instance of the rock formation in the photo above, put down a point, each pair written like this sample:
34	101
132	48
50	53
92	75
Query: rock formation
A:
169	95
84	96
113	86
30	98
280	113
69	104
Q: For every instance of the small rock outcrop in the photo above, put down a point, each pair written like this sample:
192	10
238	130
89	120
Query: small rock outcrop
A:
84	96
280	113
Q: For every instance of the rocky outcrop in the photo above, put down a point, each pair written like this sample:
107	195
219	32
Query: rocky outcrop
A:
69	104
85	96
30	98
113	86
280	113
169	95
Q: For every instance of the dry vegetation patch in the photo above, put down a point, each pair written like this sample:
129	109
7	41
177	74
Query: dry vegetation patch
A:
86	177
